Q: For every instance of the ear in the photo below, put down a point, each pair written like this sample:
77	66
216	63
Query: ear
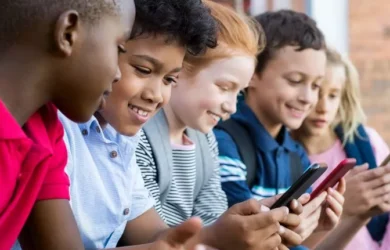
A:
254	80
67	32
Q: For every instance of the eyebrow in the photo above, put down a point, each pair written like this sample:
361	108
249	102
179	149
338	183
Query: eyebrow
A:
156	63
302	74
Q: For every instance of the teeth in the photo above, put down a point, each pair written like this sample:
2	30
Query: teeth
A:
215	117
139	111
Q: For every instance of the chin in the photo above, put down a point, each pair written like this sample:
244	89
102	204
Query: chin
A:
129	131
293	125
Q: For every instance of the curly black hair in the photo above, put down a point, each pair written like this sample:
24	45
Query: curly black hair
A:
188	22
287	27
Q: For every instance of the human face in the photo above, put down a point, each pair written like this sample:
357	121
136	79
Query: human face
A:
324	114
199	101
86	79
149	68
287	89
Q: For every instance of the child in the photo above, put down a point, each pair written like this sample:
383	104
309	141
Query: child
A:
179	165
280	95
332	132
108	197
44	44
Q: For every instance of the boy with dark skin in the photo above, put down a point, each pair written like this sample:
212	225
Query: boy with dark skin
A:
55	53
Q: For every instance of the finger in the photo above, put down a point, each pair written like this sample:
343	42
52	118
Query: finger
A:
296	207
333	217
248	207
291	238
273	242
341	186
373	173
313	205
291	220
203	247
282	247
305	198
180	234
265	219
268	202
378	182
337	196
380	191
356	170
334	205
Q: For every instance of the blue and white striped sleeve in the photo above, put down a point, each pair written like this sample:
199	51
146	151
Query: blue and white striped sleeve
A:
232	169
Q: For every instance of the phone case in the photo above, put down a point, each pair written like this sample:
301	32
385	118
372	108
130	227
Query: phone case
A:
301	185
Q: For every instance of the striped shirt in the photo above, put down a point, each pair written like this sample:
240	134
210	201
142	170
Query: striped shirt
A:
181	203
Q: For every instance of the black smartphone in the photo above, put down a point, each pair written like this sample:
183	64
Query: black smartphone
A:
301	185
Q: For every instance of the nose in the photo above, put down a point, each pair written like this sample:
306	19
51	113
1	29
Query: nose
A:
307	95
118	75
230	106
153	93
322	105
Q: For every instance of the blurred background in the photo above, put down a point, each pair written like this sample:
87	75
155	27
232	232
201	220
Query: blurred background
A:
357	28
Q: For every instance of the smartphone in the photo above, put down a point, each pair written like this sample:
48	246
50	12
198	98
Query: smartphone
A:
301	185
334	177
385	161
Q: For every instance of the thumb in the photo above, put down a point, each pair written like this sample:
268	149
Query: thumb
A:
180	234
248	207
268	202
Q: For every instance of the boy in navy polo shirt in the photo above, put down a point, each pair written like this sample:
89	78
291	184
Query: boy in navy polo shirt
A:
283	90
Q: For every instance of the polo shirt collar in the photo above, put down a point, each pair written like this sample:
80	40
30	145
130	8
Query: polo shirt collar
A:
9	127
263	139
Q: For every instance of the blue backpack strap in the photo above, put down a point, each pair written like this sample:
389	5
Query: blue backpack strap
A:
362	151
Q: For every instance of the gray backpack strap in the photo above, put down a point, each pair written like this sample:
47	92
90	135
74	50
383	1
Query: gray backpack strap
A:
157	132
204	160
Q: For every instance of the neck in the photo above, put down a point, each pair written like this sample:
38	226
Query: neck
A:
317	144
23	89
272	127
176	126
102	122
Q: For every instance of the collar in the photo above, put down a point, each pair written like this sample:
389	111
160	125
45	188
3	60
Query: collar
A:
263	139
9	127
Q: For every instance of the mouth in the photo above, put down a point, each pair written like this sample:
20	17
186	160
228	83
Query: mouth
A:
319	123
214	116
142	114
296	112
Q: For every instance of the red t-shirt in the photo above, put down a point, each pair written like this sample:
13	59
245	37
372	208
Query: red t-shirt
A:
32	163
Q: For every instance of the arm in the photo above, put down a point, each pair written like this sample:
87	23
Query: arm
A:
232	170
144	225
211	201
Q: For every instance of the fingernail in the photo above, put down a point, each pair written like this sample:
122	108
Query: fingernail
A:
287	210
331	190
282	229
294	203
200	247
264	208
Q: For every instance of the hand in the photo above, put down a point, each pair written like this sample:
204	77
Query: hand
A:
248	225
310	215
333	208
176	238
368	192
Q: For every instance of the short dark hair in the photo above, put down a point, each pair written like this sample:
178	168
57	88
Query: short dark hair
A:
287	27
19	16
188	22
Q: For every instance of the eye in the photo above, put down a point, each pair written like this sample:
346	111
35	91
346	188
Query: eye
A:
223	87
142	70
171	80
121	49
315	86
333	96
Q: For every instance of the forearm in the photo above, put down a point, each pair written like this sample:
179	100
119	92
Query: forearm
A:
343	234
315	239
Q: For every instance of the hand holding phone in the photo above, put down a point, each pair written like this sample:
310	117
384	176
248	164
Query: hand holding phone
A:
301	185
385	161
334	177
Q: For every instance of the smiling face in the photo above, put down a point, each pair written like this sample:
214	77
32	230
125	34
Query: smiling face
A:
287	89
149	68
199	101
324	114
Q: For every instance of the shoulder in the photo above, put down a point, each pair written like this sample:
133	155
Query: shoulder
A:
226	144
378	144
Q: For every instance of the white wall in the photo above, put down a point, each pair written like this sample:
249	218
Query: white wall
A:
332	19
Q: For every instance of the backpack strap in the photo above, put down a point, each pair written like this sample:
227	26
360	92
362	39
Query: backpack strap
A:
157	132
204	160
296	166
245	145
